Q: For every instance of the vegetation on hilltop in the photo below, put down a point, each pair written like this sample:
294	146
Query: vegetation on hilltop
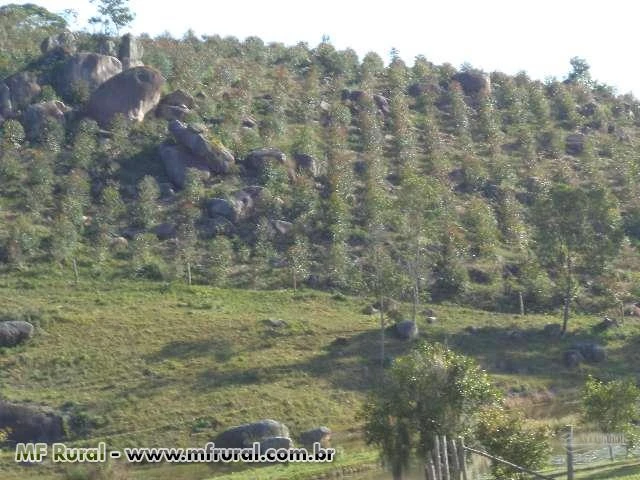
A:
448	174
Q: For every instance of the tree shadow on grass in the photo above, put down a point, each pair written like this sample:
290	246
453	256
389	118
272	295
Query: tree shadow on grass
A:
221	349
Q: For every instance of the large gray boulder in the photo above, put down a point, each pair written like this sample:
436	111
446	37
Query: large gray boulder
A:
132	93
37	116
175	106
177	159
217	157
219	207
64	42
321	435
574	143
257	161
27	424
276	443
592	352
23	89
245	435
14	332
407	329
86	70
131	52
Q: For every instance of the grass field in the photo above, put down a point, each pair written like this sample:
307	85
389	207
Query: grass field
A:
153	364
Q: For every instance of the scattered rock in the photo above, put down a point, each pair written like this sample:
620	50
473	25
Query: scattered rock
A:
27	424
258	160
321	435
305	162
382	103
340	342
14	332
249	122
164	231
175	106
407	329
216	156
131	52
473	82
179	97
282	227
472	329
591	352
370	310
36	117
574	143
431	320
119	243
132	93
86	70
606	324
223	208
245	200
177	159
244	435
64	43
275	442
552	330
572	358
275	323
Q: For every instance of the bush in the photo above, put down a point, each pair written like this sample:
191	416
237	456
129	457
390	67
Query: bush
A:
505	435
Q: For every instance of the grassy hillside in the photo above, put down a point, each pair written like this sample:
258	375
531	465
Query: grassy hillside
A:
155	364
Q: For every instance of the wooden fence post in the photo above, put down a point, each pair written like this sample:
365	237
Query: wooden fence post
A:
437	458
430	470
455	460
570	454
445	458
463	460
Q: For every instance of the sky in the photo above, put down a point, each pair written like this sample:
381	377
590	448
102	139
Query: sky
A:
538	37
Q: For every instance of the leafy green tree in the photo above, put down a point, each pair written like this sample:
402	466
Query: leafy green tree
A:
577	228
112	14
297	256
579	71
481	227
145	209
431	391
504	434
460	116
613	406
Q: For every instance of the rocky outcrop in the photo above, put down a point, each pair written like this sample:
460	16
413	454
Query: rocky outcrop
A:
62	43
21	89
407	329
29	424
175	106
131	52
14	332
132	93
106	46
276	443
574	143
177	160
321	435
215	155
305	163
238	207
257	161
243	436
37	116
86	70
